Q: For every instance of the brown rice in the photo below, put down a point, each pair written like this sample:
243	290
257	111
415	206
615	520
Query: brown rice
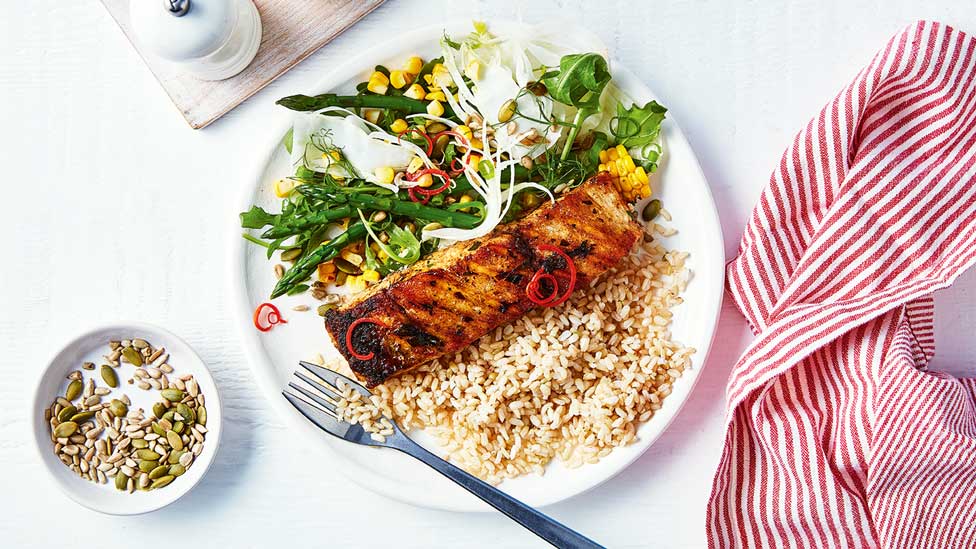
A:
571	382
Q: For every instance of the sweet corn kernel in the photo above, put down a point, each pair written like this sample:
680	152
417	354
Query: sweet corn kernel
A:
436	96
378	83
630	178
356	283
415	164
284	187
464	130
398	125
477	144
399	79
413	65
641	174
371	115
384	176
371	276
415	91
425	181
441	76
326	272
473	70
434	108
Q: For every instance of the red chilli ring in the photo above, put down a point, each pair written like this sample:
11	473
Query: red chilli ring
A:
534	290
271	318
349	333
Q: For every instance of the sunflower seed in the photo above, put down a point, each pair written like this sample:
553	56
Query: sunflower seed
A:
88	366
166	368
93	400
140	343
143	385
300	308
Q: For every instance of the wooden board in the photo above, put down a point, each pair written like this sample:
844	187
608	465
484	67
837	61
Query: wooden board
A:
291	30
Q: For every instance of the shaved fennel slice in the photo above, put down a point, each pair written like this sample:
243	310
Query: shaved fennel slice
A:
315	135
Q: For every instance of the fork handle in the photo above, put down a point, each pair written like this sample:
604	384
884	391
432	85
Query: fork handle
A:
541	525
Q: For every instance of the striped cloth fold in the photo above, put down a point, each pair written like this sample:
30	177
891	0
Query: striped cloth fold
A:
838	436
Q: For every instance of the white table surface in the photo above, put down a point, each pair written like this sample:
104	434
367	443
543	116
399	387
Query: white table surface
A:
116	209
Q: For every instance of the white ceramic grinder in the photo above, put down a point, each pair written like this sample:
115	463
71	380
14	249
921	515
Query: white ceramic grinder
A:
212	39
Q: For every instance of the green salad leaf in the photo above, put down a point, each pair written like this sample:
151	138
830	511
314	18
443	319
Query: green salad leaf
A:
579	81
257	218
638	126
402	246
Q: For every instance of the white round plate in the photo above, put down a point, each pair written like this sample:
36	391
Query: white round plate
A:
91	346
275	355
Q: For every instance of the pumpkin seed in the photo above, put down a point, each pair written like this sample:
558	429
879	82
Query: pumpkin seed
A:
159	409
186	412
66	413
109	376
174	440
147	455
82	417
74	389
346	266
121	481
291	254
160	471
162	481
178	427
118	408
507	111
324	308
172	395
132	356
168	416
651	210
201	415
435	127
174	457
158	429
139	443
65	429
176	470
147	465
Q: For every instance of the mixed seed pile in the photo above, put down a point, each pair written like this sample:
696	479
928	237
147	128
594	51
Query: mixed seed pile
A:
101	438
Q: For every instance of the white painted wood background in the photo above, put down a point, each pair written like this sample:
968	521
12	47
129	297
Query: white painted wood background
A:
115	209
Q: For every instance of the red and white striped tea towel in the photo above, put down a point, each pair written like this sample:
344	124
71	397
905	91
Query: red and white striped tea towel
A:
838	436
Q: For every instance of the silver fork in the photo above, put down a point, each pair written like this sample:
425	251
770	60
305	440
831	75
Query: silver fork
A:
317	400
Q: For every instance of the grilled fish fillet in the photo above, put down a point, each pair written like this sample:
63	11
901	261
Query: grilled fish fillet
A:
454	296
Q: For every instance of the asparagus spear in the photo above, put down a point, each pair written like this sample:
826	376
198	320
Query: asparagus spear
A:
396	102
300	271
297	225
415	210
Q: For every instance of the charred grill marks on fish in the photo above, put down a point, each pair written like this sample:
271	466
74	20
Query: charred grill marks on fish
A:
458	294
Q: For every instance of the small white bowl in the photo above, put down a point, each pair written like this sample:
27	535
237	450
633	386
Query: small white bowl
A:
91	346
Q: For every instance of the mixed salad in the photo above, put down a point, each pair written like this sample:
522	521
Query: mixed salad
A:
443	150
